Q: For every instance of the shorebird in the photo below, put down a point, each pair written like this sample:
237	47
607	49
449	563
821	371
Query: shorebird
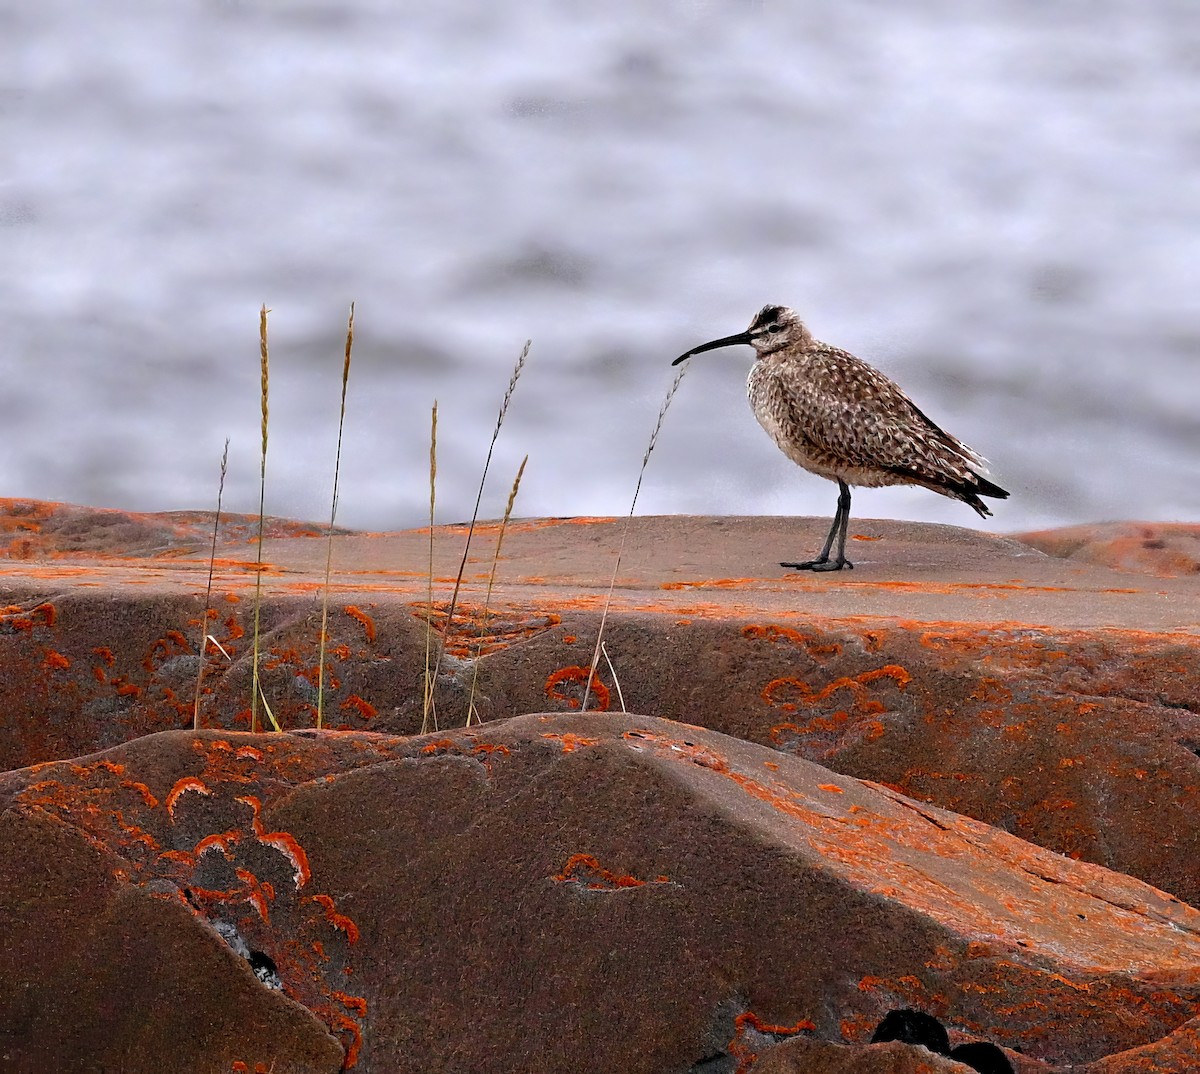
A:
838	417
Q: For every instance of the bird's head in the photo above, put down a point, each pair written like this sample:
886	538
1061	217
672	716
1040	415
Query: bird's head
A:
773	329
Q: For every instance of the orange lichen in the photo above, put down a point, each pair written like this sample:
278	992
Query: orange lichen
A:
710	583
354	1045
772	632
578	676
808	696
284	656
569	639
367	623
679	748
570	742
256	893
585	869
833	788
352	1003
364	708
142	789
338	921
438	745
873	640
182	786
749	1018
18	618
478	631
740	1050
283	842
87	770
55	660
217	841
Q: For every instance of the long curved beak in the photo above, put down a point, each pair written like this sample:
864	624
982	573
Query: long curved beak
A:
727	341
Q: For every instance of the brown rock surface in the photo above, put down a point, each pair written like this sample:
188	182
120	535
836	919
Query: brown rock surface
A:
549	893
103	971
805	1055
1177	1053
1168	549
1053	699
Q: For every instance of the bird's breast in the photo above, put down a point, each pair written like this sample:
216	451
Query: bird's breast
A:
768	400
771	388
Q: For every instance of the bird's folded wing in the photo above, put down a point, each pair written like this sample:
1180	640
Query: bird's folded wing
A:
860	417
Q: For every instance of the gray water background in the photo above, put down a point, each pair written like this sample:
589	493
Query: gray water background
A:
997	203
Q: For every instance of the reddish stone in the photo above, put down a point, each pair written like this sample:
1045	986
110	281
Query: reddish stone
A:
1176	1053
1052	699
104	968
1167	549
556	892
805	1055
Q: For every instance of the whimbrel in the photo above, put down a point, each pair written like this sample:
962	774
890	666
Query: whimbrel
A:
836	416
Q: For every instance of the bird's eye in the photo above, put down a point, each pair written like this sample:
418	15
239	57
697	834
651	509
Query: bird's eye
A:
774	328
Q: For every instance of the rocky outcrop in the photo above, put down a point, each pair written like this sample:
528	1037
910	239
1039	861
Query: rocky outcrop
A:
551	892
1166	549
1043	697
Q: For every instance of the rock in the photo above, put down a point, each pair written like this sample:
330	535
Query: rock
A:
578	892
808	1056
1165	549
103	968
37	529
1176	1053
805	1055
1050	698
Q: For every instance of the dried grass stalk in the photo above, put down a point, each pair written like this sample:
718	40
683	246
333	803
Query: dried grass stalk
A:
264	368
662	413
337	468
428	711
212	560
487	602
512	383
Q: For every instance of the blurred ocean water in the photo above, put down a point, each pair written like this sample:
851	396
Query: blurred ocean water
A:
997	203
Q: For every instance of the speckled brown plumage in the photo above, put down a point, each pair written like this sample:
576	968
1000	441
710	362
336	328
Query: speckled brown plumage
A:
836	416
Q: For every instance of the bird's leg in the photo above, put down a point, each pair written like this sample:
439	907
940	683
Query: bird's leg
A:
841	521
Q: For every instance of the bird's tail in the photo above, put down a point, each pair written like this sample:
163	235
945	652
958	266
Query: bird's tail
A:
971	489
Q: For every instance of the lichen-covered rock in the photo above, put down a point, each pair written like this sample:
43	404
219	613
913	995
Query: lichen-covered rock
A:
554	892
1046	697
1166	549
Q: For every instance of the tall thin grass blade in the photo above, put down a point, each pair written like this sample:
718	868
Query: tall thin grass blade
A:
512	383
337	469
212	561
487	602
267	709
264	377
613	672
662	413
428	712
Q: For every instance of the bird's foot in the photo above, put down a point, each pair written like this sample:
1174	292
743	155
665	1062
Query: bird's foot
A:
821	564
